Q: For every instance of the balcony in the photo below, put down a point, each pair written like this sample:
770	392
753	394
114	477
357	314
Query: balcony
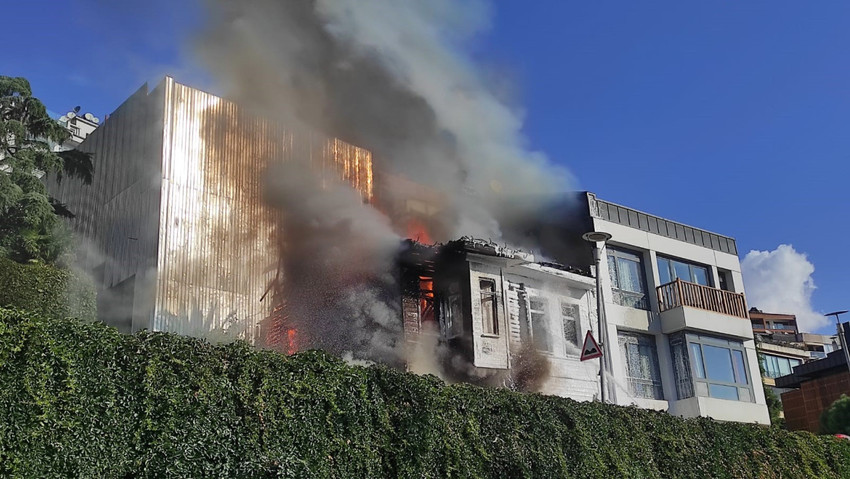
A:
685	305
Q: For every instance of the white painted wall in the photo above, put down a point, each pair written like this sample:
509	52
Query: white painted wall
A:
622	318
569	377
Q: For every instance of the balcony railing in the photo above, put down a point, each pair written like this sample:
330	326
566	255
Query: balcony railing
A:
682	293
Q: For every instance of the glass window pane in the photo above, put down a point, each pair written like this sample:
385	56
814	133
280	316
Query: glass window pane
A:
682	270
540	323
718	363
795	362
784	366
489	317
664	271
569	318
696	357
723	392
700	275
681	368
740	370
629	275
612	271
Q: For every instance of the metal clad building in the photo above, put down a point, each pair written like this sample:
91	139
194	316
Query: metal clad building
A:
173	225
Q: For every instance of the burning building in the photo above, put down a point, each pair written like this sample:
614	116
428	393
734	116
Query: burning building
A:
498	316
209	220
174	227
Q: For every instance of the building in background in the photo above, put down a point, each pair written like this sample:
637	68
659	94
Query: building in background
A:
674	300
812	387
774	323
173	226
80	126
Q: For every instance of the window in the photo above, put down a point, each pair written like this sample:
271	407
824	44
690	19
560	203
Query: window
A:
627	280
724	280
538	310
681	367
452	308
489	313
775	366
670	269
641	360
717	369
570	320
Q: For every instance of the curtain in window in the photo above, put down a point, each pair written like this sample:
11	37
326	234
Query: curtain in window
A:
641	360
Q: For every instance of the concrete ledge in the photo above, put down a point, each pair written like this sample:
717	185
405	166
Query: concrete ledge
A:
685	317
721	410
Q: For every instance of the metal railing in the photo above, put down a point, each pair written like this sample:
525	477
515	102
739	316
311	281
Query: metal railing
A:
682	293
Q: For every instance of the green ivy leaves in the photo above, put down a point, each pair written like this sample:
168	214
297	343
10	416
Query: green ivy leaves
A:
80	400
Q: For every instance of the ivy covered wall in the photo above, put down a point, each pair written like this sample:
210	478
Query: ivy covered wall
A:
78	399
46	290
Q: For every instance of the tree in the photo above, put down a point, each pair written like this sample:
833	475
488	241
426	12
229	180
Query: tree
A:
30	227
836	419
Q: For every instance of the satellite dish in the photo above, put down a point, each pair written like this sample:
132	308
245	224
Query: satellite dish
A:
88	116
76	109
63	118
71	114
96	120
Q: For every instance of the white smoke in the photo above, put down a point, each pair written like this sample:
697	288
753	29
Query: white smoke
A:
780	281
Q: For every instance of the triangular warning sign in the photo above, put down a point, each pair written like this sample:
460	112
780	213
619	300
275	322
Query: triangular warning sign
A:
590	350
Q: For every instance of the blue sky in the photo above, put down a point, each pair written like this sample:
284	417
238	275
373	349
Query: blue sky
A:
729	116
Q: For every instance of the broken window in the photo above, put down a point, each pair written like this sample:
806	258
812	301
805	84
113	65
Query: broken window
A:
570	318
539	312
489	313
452	309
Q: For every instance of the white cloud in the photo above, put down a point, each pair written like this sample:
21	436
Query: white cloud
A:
780	281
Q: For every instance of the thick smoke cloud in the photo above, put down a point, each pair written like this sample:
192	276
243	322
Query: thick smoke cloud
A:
780	281
390	76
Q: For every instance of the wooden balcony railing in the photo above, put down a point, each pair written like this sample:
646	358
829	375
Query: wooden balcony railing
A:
682	293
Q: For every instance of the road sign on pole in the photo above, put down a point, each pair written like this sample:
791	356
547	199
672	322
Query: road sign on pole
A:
591	349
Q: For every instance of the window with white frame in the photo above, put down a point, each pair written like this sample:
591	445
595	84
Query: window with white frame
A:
489	305
538	311
707	366
641	362
572	330
627	278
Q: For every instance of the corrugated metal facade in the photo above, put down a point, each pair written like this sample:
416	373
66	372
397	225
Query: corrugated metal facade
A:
176	206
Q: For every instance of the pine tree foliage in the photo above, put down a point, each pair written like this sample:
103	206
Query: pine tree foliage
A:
30	229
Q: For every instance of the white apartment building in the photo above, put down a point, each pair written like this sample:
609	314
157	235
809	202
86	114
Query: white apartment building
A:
674	301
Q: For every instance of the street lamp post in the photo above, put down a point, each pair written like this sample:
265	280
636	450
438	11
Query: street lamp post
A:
841	339
599	239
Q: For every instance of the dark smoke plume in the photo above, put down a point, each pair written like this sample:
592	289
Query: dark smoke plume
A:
390	76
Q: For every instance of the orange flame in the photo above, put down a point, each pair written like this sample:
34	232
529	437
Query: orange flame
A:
417	231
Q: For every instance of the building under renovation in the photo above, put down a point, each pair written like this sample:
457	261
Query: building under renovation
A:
173	225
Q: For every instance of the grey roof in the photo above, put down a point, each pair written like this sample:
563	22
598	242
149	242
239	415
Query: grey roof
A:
654	224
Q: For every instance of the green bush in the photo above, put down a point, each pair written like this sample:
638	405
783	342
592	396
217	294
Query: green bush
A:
46	290
836	418
81	400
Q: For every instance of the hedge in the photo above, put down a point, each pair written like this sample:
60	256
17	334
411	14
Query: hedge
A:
78	399
46	290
